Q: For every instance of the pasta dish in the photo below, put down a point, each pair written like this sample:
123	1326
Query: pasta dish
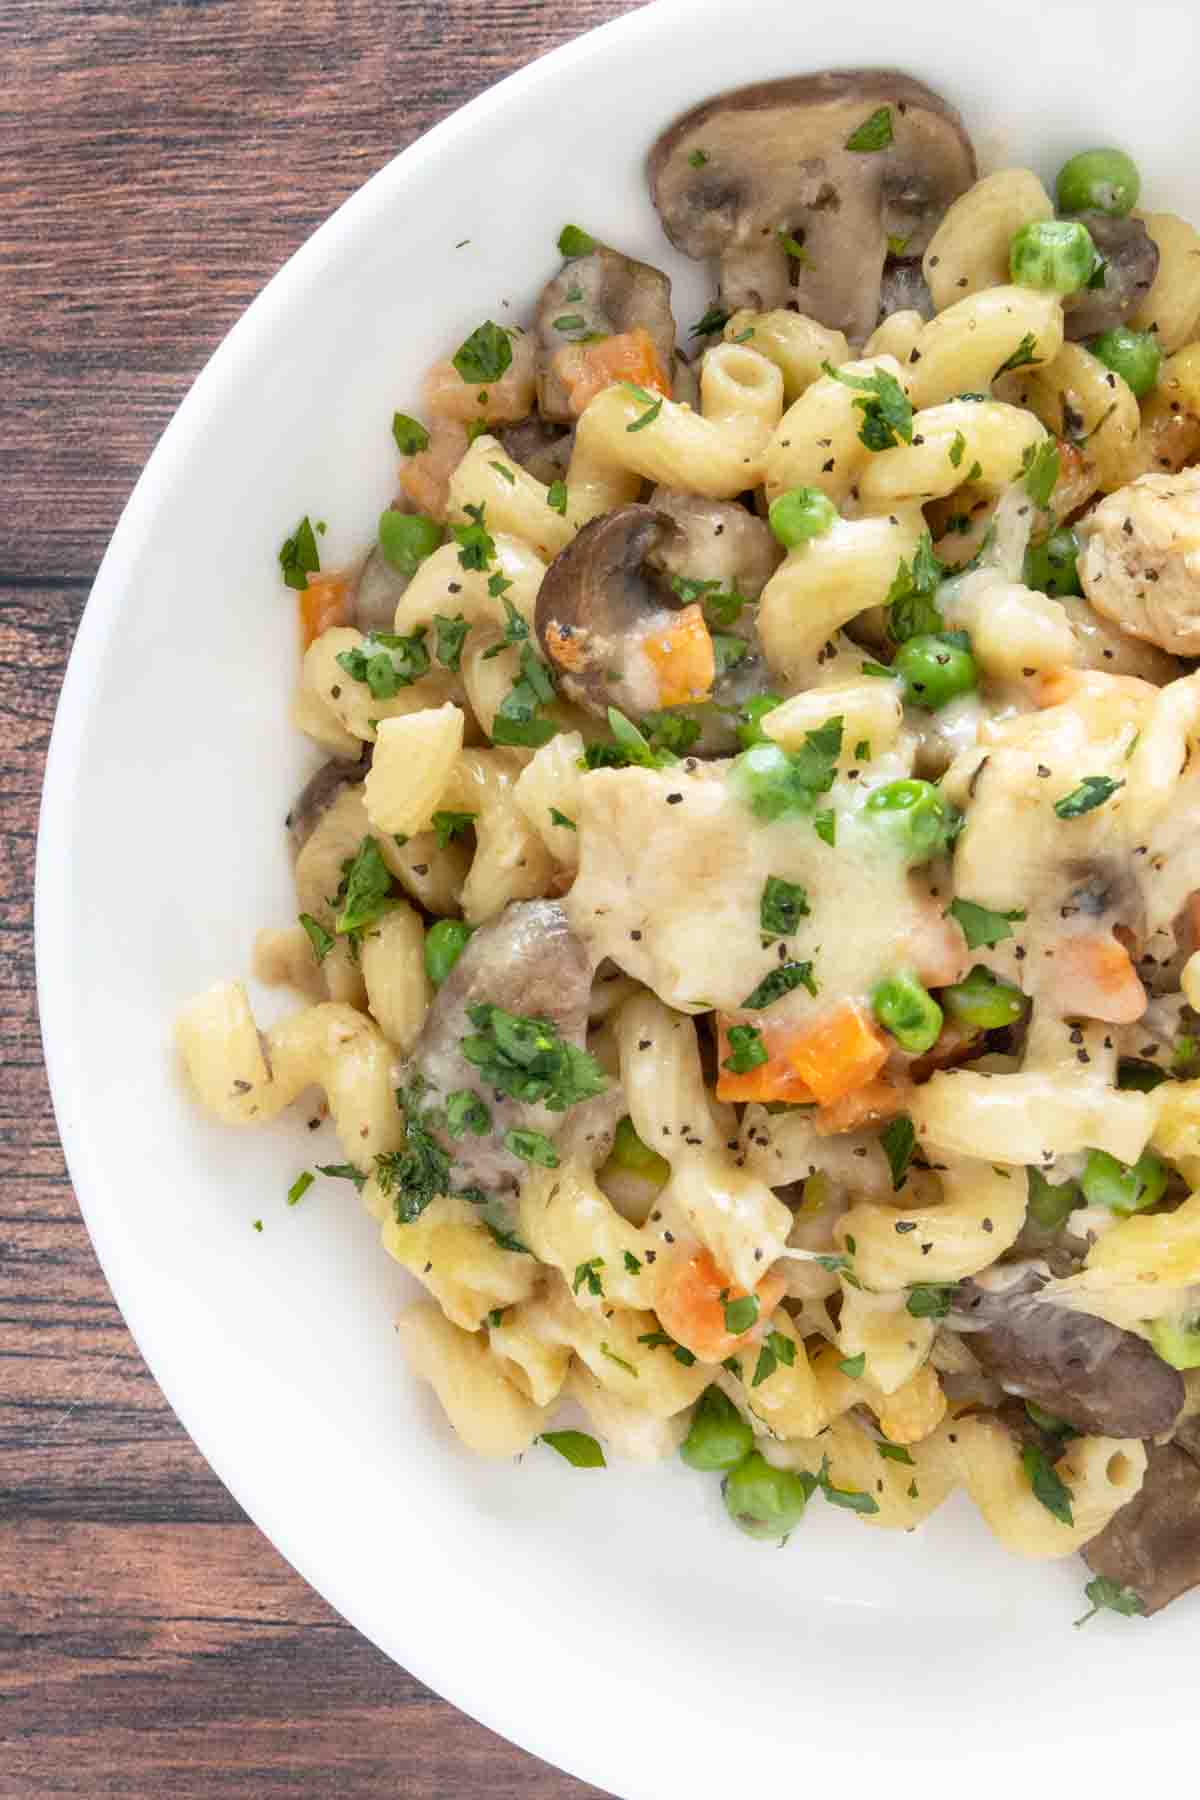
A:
748	916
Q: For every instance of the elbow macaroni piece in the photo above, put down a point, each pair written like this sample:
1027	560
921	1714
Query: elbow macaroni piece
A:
969	250
413	764
984	442
824	584
510	862
978	1218
393	968
798	346
451	1252
515	501
967	347
489	1413
818	442
1103	1474
1172	307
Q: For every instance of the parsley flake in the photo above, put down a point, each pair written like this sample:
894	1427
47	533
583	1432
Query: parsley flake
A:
898	1138
1092	792
485	355
410	435
576	1447
1021	357
747	1050
298	557
874	133
778	982
1110	1596
886	408
782	906
1048	1486
320	939
981	927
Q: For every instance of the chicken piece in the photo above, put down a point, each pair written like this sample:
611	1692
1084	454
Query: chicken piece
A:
1140	560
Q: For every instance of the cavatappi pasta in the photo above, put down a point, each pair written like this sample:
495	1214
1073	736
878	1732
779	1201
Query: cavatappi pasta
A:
749	927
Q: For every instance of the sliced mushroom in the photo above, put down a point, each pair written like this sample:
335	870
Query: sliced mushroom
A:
540	446
904	289
1153	1544
597	604
1093	1375
377	593
319	793
735	177
601	292
527	961
1130	265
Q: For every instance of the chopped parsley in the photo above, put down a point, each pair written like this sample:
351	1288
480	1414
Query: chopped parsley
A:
722	607
576	1447
527	1059
516	720
1040	468
957	449
415	1175
795	249
671	730
777	1349
778	982
825	826
983	928
632	1265
1092	792
782	906
653	406
898	1138
853	1366
930	1299
560	818
320	939
874	133
300	1187
697	158
573	241
728	652
1021	357
298	557
451	825
587	1274
507	1240
504	470
746	1050
343	1172
451	636
912	608
516	631
365	893
660	1340
886	408
628	749
850	1498
1110	1596
556	498
740	1314
778	783
619	1360
410	435
465	1111
714	320
531	1147
1048	1486
1138	1077
476	545
386	663
896	1453
485	355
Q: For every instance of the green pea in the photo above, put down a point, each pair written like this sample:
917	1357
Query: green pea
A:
1050	1206
934	671
1052	563
762	1501
1056	256
982	1002
1133	355
1177	1341
918	817
1099	181
444	944
908	1011
406	539
1121	1187
798	516
750	716
719	1437
631	1154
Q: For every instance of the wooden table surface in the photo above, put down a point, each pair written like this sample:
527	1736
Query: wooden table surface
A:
158	160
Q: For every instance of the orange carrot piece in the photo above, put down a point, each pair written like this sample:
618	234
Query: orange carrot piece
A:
683	658
1094	978
324	602
690	1306
773	1080
587	369
869	1105
839	1053
425	478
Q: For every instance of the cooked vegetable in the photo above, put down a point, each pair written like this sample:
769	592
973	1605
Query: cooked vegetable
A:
1051	563
801	514
1125	1190
918	818
982	1002
908	1011
762	1501
604	317
444	944
935	671
1106	180
1151	1548
1133	355
719	1437
700	1307
1053	255
630	1153
1095	1376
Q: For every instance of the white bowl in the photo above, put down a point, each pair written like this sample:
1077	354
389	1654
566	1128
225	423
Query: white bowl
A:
612	1622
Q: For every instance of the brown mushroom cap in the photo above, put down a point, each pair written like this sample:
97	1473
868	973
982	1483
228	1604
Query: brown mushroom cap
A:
732	174
1153	1544
1130	265
597	601
1085	1371
319	793
602	292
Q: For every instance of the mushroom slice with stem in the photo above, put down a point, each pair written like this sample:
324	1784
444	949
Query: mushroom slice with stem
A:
800	188
599	294
602	612
1153	1544
319	793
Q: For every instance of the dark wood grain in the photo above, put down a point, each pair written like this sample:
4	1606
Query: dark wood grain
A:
157	163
